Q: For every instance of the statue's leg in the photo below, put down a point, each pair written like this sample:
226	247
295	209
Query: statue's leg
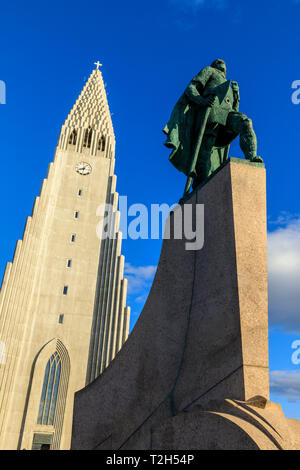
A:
242	125
203	165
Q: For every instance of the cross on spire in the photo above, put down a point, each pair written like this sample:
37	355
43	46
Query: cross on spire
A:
98	64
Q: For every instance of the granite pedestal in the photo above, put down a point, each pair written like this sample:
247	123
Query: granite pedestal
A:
194	371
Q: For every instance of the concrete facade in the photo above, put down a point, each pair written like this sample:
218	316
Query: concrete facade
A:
63	298
194	372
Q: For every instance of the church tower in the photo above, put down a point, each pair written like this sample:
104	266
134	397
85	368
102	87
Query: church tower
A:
63	314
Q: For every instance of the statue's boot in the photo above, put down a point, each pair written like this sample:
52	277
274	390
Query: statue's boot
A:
255	159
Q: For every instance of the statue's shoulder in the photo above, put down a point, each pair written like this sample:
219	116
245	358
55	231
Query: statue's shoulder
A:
204	73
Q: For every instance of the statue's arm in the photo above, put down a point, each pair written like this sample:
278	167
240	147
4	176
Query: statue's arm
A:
193	91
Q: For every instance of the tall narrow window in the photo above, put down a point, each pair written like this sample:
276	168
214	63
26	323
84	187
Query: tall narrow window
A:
69	263
89	142
76	215
65	290
73	238
49	391
73	137
79	192
61	318
101	144
87	139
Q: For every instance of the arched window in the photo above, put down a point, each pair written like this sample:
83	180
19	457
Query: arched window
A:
50	390
73	137
101	144
87	140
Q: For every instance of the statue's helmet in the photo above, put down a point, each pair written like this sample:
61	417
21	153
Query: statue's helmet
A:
220	65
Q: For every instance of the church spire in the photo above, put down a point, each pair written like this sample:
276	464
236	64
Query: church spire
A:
88	127
63	298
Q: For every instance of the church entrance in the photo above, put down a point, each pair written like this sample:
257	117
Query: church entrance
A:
42	441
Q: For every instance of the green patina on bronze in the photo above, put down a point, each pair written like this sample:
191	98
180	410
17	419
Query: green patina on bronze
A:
205	120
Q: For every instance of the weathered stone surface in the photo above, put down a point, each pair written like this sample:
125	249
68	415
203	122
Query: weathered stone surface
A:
228	425
202	335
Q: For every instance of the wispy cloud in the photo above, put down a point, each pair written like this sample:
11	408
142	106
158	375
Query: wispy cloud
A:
218	4
139	281
186	13
284	217
196	4
284	275
285	383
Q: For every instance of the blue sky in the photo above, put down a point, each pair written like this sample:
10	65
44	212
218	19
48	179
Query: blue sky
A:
150	51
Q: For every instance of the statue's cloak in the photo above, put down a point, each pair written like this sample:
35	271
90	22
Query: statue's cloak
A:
181	130
180	133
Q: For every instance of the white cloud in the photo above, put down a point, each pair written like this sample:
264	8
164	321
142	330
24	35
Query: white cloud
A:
139	281
145	272
285	383
284	276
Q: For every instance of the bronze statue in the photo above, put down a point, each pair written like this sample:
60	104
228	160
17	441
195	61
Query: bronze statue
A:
205	120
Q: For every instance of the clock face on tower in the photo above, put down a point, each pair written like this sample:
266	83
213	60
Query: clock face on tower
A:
83	168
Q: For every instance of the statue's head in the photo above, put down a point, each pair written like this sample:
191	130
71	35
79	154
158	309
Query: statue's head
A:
220	65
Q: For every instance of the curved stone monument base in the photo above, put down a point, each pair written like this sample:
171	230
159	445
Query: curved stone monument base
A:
256	424
202	336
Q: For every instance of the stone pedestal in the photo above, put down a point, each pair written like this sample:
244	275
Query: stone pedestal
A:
202	337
